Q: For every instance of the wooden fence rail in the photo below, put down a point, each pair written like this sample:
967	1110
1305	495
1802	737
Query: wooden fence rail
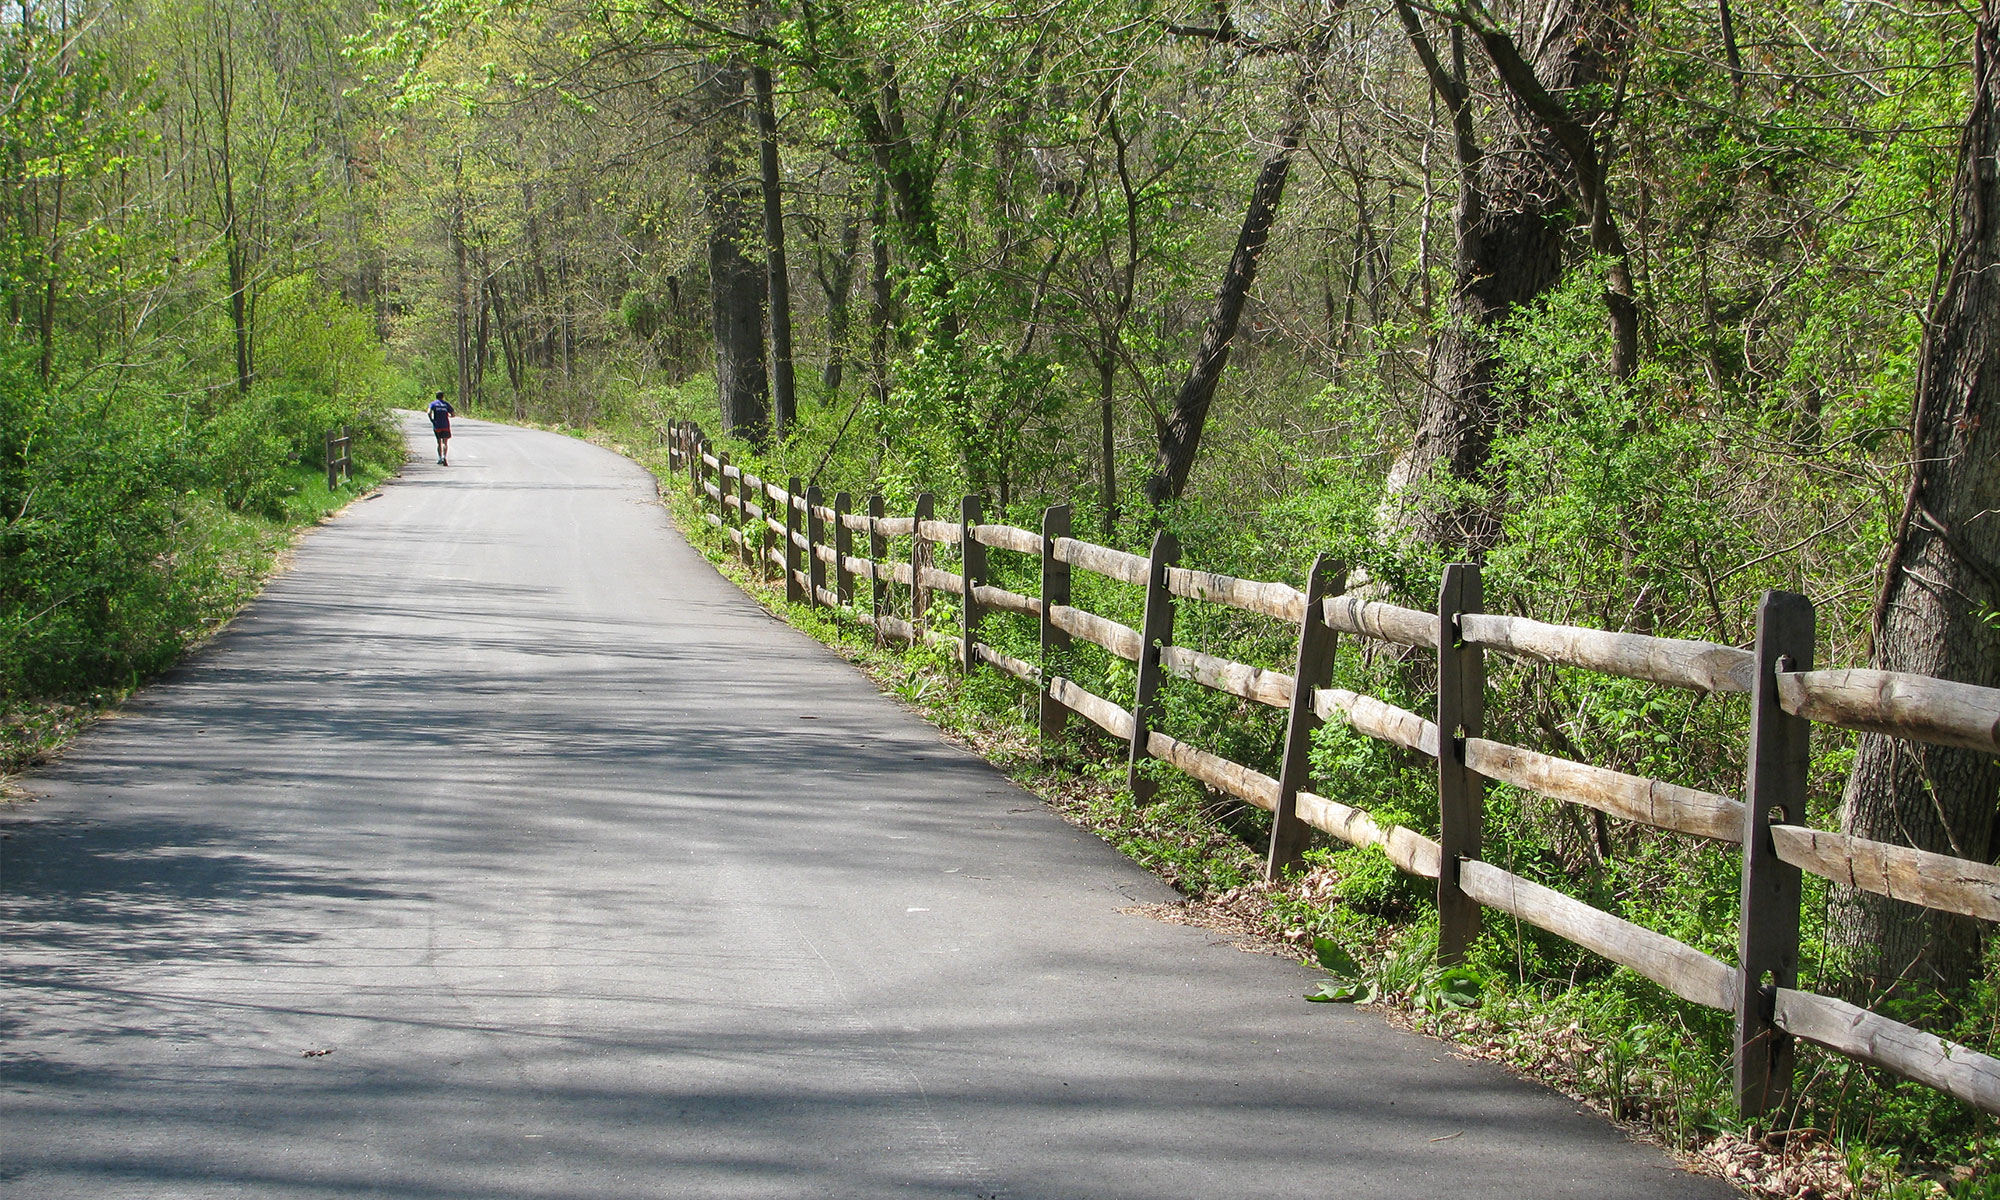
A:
1787	697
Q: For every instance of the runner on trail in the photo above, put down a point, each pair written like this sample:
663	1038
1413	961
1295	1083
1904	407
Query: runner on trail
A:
441	411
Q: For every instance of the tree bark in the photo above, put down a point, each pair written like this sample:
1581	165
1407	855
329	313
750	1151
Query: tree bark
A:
784	404
1940	587
1511	217
736	285
837	281
1180	432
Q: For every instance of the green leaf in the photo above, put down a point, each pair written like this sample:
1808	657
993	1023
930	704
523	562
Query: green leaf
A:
1335	958
1343	991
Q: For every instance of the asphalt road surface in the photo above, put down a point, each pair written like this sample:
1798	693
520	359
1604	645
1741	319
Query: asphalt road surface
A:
503	850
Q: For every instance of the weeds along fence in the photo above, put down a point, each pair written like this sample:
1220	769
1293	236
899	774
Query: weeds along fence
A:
817	544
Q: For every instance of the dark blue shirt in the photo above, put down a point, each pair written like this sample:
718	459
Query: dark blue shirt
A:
441	411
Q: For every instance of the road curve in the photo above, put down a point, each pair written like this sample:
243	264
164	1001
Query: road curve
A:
503	850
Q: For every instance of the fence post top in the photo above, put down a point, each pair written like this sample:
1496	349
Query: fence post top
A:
1327	574
1166	547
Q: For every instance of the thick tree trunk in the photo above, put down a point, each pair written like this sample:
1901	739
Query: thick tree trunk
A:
837	281
784	403
1941	581
736	285
1512	215
1180	433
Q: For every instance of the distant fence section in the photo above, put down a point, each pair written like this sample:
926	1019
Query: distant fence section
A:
339	456
828	552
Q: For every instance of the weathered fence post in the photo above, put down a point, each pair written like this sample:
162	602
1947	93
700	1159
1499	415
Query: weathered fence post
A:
843	548
743	507
793	592
723	503
878	552
1768	938
1461	792
1289	835
815	538
971	575
920	557
694	465
1157	631
1054	642
329	460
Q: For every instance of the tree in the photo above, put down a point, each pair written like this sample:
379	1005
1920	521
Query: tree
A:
1511	221
1938	610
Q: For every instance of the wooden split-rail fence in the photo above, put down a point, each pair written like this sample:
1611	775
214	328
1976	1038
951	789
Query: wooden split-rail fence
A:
339	456
816	543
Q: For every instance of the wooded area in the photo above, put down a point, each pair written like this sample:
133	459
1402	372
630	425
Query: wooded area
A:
1645	309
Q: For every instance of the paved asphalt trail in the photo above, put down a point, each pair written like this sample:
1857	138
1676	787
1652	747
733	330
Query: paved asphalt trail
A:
502	850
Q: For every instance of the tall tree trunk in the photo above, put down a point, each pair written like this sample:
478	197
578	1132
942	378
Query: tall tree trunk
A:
837	281
234	254
1180	432
736	284
1510	222
882	298
1107	428
784	403
461	303
1941	583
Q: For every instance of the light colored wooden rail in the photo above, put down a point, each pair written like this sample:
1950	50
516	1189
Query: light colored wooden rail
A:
1384	622
1940	881
1378	719
1112	564
1682	970
1026	672
1096	709
1898	704
1214	770
1702	666
943	581
1632	797
1408	849
942	532
1224	675
1122	640
1878	1041
988	596
895	526
1279	600
1008	537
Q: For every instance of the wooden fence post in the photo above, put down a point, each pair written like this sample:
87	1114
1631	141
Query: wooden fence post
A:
815	538
1461	791
329	460
1054	642
794	594
1768	938
843	547
920	558
878	551
694	466
722	499
749	547
1157	631
971	575
1289	835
